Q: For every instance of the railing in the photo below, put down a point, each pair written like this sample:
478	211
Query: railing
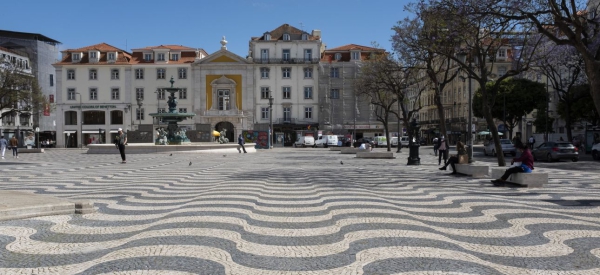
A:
286	120
287	61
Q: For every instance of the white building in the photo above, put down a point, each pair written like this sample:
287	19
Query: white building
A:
286	68
16	115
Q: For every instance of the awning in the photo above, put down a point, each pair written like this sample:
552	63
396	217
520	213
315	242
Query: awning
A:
90	132
114	131
69	132
485	133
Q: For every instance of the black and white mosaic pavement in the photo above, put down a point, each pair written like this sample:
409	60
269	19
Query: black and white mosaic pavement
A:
295	211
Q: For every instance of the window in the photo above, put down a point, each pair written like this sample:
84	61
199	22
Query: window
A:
287	92
264	92
114	74
93	55
112	56
139	93
307	112
182	73
139	114
51	80
304	36
147	57
334	72
114	94
175	57
223	99
76	57
139	73
183	94
308	72
162	110
161	57
501	70
307	54
116	117
286	54
93	74
287	114
70	118
160	95
502	53
355	55
308	92
160	73
264	54
93	94
71	94
267	36
264	113
338	56
286	37
264	72
71	74
286	72
183	110
335	93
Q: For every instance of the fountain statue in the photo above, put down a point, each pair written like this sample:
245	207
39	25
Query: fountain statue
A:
173	135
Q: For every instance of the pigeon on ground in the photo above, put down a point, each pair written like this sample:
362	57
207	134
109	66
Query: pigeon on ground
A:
171	154
341	162
190	163
224	155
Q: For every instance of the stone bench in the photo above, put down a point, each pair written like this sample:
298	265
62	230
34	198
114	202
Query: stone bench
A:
336	148
349	150
476	171
32	150
531	180
375	155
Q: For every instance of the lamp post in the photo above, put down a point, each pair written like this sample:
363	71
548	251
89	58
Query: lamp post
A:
270	121
158	96
139	111
463	57
81	122
413	156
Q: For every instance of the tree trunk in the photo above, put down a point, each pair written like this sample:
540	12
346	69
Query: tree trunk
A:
387	136
441	114
593	75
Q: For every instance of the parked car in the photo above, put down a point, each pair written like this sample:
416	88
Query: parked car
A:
507	147
363	140
326	141
304	141
404	141
552	151
380	141
596	151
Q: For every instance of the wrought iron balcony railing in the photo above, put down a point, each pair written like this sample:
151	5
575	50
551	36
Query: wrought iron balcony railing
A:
286	120
287	60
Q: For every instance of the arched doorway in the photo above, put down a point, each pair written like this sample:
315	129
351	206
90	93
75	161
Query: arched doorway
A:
228	126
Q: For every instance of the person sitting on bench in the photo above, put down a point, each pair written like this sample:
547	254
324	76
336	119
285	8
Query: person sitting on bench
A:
526	166
460	147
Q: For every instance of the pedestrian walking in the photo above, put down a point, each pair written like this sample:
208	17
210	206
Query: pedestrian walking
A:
443	147
531	142
14	144
460	147
241	144
3	145
121	141
435	146
526	165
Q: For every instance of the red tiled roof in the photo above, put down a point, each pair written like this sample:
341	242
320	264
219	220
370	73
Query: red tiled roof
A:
169	47
123	57
186	57
13	51
102	47
295	33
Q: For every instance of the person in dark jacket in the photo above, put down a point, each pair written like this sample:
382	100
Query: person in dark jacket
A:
241	144
460	147
526	166
443	147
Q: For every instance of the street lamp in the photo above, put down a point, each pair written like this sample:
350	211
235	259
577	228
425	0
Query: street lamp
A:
159	94
139	111
463	57
413	153
81	122
270	121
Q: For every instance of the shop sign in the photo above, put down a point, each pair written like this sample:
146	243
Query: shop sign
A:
94	106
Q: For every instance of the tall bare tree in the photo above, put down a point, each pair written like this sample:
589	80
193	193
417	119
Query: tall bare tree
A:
19	91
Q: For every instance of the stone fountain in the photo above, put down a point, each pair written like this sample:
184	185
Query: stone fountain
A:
173	135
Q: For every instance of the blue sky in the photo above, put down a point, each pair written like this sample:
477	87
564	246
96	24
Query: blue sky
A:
129	24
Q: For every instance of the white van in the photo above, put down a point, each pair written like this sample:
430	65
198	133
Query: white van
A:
304	141
404	141
380	141
326	140
394	141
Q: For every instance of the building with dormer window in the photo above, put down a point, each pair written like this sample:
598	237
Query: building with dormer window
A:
286	61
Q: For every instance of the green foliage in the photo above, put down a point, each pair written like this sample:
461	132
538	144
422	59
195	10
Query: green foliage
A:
520	96
19	89
540	122
582	105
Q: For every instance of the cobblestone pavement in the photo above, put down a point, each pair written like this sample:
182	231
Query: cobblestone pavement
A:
295	211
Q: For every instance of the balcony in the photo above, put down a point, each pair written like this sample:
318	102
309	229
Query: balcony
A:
287	61
286	120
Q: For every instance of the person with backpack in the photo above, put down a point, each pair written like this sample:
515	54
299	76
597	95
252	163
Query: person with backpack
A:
531	142
435	146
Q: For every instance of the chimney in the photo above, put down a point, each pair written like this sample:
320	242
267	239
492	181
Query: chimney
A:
316	33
